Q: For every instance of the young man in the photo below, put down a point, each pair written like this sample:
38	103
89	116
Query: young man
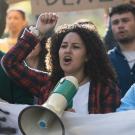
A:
122	56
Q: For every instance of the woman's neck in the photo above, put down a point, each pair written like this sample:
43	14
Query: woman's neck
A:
83	81
82	78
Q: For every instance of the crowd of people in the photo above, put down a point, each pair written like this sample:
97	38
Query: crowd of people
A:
30	70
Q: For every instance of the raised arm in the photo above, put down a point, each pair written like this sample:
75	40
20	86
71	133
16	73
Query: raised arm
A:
12	62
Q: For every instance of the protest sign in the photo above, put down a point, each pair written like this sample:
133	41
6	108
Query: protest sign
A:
39	6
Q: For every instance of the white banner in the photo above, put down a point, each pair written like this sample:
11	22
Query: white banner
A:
39	6
120	123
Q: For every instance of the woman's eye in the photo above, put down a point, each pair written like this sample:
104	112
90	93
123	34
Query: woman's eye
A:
76	47
63	46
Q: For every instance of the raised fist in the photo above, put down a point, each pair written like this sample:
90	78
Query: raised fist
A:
46	22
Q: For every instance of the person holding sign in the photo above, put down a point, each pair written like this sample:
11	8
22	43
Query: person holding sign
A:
73	50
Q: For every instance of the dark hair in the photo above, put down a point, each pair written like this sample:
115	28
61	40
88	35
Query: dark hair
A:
86	22
44	51
123	8
42	55
22	13
98	67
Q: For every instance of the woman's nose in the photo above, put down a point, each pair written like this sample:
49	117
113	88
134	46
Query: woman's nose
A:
68	49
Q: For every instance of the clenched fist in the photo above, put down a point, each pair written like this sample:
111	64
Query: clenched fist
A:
46	22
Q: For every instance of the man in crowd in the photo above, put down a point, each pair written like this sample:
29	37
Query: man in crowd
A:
15	22
122	56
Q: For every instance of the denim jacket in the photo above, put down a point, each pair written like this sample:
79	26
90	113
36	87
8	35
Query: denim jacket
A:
125	75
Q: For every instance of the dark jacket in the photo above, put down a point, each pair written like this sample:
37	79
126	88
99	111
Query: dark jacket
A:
10	91
125	75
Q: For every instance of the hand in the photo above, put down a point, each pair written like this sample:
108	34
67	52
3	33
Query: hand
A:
46	22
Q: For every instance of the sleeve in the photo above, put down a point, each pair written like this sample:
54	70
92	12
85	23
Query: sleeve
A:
128	101
14	67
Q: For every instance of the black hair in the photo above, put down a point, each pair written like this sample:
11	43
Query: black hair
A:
123	8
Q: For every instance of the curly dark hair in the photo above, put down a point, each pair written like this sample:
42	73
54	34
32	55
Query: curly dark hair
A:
42	55
97	68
